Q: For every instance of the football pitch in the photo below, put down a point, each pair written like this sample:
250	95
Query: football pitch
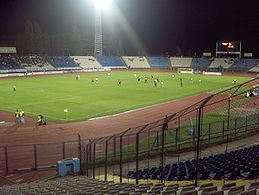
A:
84	99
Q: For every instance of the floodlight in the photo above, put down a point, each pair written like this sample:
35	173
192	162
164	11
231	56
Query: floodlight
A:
102	4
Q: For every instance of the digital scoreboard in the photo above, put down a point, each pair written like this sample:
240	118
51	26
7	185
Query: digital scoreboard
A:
228	49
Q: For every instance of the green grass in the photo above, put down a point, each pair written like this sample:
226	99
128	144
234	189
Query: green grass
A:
151	145
50	95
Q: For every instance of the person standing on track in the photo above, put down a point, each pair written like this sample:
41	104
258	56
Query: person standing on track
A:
17	117
21	113
181	81
41	120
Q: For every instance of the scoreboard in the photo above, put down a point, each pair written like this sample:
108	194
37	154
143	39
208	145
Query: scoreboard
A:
228	49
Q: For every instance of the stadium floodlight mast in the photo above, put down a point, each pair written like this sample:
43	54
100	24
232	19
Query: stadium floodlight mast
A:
100	6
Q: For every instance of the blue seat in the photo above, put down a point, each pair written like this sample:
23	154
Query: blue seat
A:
111	61
159	62
230	165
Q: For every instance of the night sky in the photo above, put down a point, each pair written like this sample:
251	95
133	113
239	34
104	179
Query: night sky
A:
161	25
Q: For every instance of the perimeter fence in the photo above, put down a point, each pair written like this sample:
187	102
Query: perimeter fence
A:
149	151
28	157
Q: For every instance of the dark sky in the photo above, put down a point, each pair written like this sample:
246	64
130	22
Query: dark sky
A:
160	25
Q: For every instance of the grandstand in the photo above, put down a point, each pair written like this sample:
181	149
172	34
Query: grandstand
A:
244	65
159	62
181	62
113	62
200	63
33	63
254	69
62	62
232	165
223	63
87	62
48	63
82	185
9	63
138	62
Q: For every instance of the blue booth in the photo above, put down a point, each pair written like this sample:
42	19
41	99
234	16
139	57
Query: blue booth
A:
68	166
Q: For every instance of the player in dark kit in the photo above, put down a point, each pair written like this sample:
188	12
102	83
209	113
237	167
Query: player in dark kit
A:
155	83
181	81
119	83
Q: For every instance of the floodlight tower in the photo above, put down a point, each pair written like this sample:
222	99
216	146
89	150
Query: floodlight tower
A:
100	6
98	36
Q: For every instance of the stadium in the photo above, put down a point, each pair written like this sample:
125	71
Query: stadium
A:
88	111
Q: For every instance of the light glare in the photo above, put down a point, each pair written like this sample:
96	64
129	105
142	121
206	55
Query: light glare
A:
102	4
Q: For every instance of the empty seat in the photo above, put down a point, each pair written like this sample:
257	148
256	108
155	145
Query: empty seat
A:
228	186
174	186
236	190
205	186
253	187
191	192
254	184
206	190
188	185
157	188
188	188
142	191
144	187
168	191
221	192
159	184
249	192
155	191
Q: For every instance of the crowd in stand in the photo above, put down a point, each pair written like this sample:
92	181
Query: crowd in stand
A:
8	62
33	60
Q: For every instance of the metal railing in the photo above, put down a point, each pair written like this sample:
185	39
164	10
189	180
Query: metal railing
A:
219	118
